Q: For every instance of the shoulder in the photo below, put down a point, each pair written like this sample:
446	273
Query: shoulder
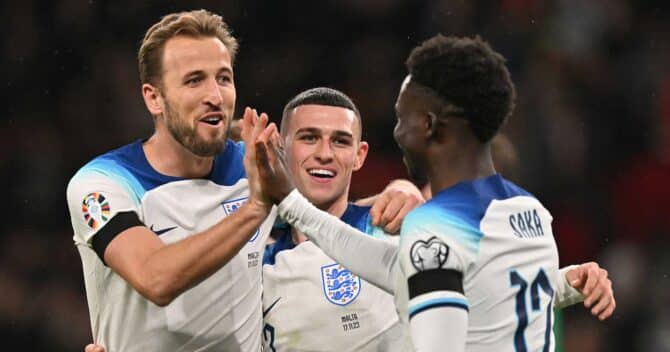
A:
229	164
356	216
116	168
281	232
359	217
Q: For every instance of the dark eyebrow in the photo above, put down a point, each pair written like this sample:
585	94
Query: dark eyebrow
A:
202	73
343	134
226	70
314	130
194	73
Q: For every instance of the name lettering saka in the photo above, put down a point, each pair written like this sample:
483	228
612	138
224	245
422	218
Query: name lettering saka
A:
526	224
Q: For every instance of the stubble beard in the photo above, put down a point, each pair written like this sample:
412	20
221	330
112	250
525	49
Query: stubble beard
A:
188	136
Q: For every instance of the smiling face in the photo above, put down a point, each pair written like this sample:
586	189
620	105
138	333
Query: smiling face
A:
197	95
323	149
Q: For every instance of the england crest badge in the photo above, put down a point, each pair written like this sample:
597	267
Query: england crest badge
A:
231	206
340	286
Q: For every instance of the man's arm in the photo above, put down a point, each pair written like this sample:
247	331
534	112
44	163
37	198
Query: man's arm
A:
161	272
428	330
589	283
158	271
347	245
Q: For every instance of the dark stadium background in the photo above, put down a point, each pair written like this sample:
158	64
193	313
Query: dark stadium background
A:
592	127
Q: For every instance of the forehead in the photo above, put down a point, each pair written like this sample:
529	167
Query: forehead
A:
184	54
323	117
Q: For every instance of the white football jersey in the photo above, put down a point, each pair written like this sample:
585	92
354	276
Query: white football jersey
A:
312	303
223	312
499	238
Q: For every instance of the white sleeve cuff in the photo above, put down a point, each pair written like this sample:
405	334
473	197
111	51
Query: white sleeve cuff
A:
566	295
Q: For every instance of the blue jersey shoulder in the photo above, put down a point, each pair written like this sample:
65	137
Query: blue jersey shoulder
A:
469	200
354	215
460	208
129	165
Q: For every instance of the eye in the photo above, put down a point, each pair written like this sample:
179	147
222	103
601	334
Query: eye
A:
342	141
193	81
308	138
224	79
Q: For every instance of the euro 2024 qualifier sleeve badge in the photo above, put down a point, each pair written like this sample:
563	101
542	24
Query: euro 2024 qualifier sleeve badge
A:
95	208
431	254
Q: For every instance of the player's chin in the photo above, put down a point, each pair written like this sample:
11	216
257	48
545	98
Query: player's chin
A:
208	148
320	196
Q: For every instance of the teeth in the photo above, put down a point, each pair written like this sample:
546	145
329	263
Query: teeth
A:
321	173
212	120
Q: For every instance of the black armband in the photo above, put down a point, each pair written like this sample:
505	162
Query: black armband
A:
119	223
435	280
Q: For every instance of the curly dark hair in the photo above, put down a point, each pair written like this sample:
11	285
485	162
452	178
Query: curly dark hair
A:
469	74
320	96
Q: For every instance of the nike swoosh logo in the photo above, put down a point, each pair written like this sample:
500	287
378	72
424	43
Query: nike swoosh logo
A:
265	312
162	231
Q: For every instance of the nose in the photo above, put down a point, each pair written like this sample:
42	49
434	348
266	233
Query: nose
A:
324	151
213	93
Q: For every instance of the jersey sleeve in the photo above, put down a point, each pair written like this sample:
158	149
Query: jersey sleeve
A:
95	198
347	245
436	249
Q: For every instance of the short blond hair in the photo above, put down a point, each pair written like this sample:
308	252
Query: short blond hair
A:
197	24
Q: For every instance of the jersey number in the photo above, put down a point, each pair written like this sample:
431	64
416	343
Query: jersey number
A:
269	336
540	282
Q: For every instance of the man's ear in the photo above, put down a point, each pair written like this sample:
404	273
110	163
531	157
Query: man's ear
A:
361	154
152	99
432	125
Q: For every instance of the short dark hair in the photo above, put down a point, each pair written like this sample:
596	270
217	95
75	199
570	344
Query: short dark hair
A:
320	96
469	74
195	24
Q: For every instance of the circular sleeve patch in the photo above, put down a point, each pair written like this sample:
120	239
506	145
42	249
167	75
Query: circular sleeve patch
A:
95	209
431	254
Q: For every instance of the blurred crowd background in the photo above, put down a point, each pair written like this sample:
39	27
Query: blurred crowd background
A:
591	127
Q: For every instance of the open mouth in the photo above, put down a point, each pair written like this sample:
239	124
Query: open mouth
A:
213	119
321	173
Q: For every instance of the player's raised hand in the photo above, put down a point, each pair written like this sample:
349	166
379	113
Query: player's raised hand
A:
252	126
94	348
273	172
392	205
592	281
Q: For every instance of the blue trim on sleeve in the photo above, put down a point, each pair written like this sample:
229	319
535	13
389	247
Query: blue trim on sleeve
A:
118	173
436	303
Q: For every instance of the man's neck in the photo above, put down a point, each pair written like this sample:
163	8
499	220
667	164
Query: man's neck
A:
448	169
169	157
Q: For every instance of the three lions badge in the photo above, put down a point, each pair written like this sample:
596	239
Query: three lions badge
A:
231	206
340	286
